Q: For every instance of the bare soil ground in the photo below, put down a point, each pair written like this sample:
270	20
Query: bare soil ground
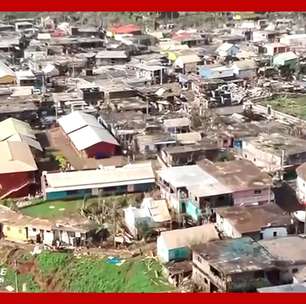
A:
59	143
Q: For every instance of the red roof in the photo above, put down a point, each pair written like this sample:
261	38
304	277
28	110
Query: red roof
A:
181	36
126	29
58	33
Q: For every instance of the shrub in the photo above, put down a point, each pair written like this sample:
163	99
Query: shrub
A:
50	262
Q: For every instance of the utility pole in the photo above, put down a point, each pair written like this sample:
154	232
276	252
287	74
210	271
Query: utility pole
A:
56	115
73	73
16	275
147	108
114	222
305	218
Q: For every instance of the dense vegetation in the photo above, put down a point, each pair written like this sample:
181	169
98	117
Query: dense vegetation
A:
59	271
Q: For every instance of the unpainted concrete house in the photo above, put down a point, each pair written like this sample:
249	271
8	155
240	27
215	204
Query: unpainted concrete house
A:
289	254
233	265
273	152
247	184
259	222
112	57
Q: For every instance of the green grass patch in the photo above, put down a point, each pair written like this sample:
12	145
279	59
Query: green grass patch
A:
49	263
25	282
90	275
64	208
295	106
53	209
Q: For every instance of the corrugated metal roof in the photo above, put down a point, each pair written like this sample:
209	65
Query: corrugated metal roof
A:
284	56
185	59
177	122
99	178
16	157
77	120
111	55
6	71
89	136
224	47
11	126
157	209
13	129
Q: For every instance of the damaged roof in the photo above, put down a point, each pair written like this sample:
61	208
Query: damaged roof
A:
301	171
254	218
177	122
235	255
112	55
12	129
290	249
275	143
189	236
238	175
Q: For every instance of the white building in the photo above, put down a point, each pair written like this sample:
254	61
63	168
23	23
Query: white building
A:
227	49
154	212
301	183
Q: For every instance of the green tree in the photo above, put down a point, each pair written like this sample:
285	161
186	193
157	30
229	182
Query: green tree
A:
62	161
144	230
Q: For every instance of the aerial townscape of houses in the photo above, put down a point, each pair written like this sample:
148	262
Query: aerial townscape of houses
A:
201	131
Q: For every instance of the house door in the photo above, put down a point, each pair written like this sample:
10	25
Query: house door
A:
183	207
213	287
38	238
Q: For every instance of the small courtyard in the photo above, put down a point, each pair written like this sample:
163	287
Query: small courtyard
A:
67	208
295	106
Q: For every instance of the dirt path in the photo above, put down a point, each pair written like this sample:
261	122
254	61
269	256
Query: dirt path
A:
59	142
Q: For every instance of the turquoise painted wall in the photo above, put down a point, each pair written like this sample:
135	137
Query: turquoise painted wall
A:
193	210
179	254
175	254
61	195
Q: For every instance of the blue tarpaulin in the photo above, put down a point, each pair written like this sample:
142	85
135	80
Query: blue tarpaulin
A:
113	261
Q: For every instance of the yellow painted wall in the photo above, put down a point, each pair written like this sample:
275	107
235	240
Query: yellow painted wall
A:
14	233
172	56
7	79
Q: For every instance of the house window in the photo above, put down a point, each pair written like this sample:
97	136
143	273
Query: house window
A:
257	191
215	272
261	235
72	192
8	228
295	270
245	156
254	159
274	233
34	229
199	259
20	231
206	281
